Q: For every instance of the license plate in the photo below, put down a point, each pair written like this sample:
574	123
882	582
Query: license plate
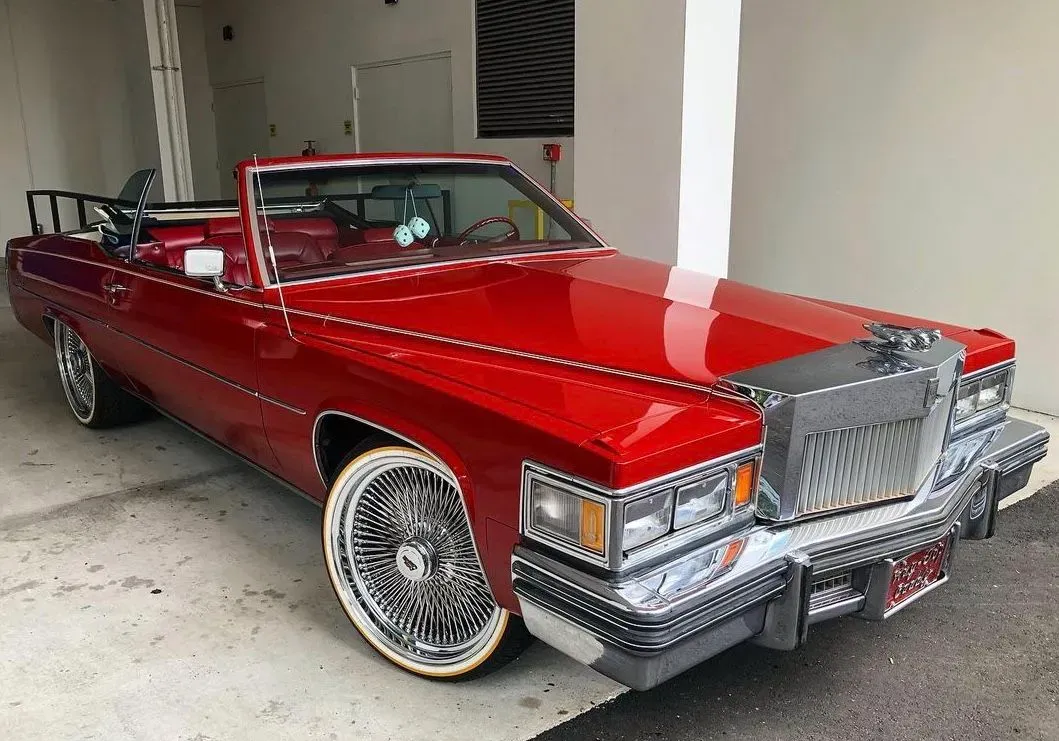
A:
916	571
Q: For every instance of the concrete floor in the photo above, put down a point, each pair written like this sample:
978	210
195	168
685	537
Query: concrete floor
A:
154	587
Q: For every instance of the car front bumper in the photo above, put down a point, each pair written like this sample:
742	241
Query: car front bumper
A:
644	628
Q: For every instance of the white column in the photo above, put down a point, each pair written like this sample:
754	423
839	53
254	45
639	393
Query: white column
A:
655	126
711	69
170	113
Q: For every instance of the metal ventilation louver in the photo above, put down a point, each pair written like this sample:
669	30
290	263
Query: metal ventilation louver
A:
525	67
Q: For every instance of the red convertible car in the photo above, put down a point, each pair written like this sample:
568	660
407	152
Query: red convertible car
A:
517	431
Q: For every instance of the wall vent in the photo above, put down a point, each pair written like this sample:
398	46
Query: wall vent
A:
524	68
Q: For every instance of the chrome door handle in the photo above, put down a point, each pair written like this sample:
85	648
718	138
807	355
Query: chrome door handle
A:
113	288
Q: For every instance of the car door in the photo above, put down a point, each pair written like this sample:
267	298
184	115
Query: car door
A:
189	349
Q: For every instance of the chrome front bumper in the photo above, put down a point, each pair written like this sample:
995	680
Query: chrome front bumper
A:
644	628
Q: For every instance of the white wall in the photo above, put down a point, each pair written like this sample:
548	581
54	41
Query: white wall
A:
15	177
73	114
904	155
627	113
304	52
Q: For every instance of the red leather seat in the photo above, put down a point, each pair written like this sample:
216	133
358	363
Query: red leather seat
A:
323	231
292	249
235	269
231	225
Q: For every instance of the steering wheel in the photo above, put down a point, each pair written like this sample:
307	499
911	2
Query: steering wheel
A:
513	233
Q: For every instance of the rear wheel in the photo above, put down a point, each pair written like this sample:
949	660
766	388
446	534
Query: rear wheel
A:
403	563
95	400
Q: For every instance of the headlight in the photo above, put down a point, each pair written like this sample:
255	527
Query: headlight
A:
701	500
567	516
617	529
981	394
647	519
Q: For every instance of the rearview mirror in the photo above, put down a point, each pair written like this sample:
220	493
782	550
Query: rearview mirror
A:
401	192
205	262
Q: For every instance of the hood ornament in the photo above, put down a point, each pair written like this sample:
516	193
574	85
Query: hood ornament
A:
891	338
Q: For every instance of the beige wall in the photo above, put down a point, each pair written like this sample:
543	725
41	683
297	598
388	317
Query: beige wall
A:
905	155
77	110
630	64
305	54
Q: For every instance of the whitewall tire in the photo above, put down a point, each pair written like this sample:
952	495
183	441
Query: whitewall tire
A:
403	562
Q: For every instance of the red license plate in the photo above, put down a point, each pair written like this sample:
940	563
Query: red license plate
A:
917	571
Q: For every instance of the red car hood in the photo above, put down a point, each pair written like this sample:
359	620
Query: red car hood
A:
611	311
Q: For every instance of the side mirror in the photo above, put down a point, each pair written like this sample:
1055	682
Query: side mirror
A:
205	262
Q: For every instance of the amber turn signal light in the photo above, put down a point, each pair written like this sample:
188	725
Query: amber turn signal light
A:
744	484
731	554
593	524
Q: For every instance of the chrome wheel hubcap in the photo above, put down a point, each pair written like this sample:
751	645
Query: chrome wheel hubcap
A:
407	561
416	560
75	368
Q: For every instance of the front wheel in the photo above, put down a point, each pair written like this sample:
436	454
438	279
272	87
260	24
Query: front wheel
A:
403	563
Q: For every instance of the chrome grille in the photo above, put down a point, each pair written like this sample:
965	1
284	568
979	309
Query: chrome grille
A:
858	465
834	589
850	425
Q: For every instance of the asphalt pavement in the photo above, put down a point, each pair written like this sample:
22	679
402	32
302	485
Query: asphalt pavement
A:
977	659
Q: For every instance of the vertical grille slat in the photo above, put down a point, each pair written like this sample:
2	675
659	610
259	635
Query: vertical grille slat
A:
858	465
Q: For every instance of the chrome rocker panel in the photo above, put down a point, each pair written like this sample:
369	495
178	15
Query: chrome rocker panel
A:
650	626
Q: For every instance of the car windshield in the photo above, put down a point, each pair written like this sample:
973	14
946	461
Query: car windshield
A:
325	221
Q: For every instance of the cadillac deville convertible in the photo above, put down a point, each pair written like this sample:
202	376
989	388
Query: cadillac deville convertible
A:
516	431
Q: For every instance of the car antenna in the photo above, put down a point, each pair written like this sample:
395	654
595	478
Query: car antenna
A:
271	251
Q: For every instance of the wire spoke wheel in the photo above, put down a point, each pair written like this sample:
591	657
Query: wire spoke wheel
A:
76	372
404	564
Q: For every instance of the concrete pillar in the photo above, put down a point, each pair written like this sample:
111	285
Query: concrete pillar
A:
163	48
711	70
655	126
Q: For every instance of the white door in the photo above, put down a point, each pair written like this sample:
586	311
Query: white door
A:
242	128
198	100
404	105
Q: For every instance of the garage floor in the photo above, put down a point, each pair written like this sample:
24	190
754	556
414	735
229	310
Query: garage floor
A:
153	587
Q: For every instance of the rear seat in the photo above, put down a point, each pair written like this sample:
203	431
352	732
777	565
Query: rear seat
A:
323	231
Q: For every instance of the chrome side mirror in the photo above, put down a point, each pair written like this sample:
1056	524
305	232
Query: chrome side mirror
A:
205	262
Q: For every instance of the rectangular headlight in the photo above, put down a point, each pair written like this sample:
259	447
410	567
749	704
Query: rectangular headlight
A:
992	390
701	500
647	519
562	514
966	400
981	394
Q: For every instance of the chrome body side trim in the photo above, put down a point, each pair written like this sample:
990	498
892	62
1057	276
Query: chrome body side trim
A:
410	333
494	348
644	627
174	358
